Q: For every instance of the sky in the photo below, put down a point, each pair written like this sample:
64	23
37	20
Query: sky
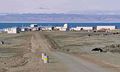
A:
57	6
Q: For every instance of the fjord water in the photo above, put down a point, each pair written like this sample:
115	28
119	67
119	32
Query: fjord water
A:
8	25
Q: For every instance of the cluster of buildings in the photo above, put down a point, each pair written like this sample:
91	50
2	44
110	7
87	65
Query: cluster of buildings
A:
35	27
97	28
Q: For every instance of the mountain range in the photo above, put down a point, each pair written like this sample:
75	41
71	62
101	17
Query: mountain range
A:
60	18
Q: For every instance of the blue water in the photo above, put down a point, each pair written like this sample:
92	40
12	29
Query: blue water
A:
7	25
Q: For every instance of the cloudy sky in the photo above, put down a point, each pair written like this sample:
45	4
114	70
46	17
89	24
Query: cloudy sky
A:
57	6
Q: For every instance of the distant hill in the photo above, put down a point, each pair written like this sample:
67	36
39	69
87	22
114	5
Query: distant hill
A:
56	18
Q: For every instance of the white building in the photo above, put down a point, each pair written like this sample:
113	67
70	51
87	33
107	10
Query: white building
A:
34	29
63	29
49	28
106	27
81	28
46	28
33	25
23	29
12	30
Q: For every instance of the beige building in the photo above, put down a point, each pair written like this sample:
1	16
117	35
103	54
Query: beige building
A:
82	28
106	27
12	30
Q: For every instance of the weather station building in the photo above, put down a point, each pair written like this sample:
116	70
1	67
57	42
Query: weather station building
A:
64	28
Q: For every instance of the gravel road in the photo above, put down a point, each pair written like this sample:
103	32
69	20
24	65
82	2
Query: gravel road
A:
75	64
71	63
